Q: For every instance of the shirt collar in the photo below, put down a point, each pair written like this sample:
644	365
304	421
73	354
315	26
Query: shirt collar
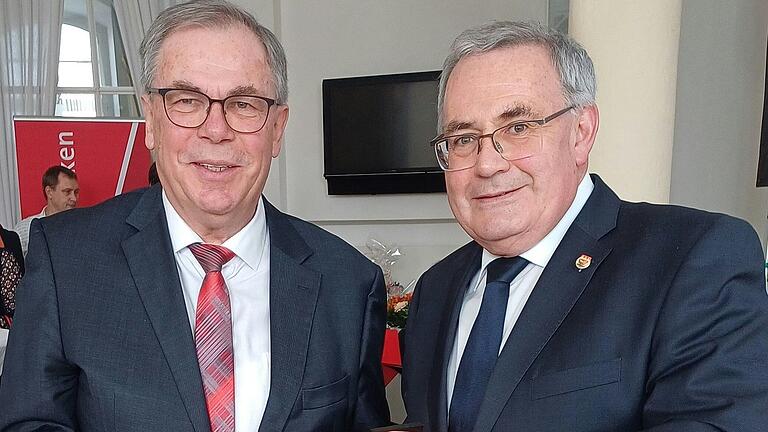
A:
248	243
541	253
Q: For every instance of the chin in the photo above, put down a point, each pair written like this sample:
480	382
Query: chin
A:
489	234
215	203
217	208
495	236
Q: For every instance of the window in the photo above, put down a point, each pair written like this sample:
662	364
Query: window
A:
94	79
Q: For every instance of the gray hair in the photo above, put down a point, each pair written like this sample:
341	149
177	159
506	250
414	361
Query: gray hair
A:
210	14
571	61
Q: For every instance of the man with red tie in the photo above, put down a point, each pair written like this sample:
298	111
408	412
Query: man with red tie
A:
197	305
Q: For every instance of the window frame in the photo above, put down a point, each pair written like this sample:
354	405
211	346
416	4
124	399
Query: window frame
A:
97	90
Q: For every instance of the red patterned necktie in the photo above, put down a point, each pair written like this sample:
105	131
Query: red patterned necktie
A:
213	337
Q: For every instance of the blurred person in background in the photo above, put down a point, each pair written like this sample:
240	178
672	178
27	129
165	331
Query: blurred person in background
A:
11	271
61	191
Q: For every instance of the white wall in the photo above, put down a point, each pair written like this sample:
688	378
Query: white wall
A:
721	74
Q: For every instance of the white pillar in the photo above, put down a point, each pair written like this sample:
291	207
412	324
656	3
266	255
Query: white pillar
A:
634	47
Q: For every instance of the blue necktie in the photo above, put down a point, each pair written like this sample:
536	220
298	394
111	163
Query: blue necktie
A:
483	345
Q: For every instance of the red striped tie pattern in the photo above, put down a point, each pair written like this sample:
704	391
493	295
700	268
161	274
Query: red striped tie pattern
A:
213	337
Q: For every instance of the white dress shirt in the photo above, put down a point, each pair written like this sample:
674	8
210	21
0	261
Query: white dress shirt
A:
3	345
22	229
247	278
519	289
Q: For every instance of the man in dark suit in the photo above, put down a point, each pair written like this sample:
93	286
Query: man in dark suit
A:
604	315
198	306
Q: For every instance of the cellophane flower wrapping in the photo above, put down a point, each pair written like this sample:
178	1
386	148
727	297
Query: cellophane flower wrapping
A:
398	295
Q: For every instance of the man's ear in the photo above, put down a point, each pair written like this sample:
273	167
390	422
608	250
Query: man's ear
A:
48	192
588	121
149	122
278	124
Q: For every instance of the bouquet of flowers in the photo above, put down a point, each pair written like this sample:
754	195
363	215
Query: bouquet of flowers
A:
398	296
398	302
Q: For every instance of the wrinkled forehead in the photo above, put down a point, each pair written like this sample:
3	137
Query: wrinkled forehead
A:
213	29
215	61
513	65
519	79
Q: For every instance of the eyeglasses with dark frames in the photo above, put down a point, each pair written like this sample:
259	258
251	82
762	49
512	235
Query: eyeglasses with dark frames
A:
513	141
190	109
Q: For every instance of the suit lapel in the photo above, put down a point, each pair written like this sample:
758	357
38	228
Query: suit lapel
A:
550	302
559	287
455	286
153	267
293	295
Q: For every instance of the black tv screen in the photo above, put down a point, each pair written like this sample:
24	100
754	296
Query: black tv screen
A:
762	164
377	131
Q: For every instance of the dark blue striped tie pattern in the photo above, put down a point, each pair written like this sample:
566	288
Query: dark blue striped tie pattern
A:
483	345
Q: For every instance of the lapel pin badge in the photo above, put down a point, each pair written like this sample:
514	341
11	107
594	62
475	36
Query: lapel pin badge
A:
583	261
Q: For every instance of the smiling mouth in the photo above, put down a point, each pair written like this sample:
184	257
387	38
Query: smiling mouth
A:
214	167
493	195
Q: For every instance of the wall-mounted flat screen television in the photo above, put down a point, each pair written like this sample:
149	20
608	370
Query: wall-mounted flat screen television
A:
762	164
376	132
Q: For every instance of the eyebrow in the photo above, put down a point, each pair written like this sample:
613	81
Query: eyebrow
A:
244	90
454	126
509	114
515	112
250	90
185	85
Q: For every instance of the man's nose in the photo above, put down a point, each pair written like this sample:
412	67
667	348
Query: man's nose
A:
489	158
216	126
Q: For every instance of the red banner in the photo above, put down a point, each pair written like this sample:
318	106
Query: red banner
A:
108	156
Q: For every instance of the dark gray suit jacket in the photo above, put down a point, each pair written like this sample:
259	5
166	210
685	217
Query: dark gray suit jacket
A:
102	342
666	330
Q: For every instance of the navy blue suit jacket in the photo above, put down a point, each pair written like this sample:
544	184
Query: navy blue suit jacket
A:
666	330
102	342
